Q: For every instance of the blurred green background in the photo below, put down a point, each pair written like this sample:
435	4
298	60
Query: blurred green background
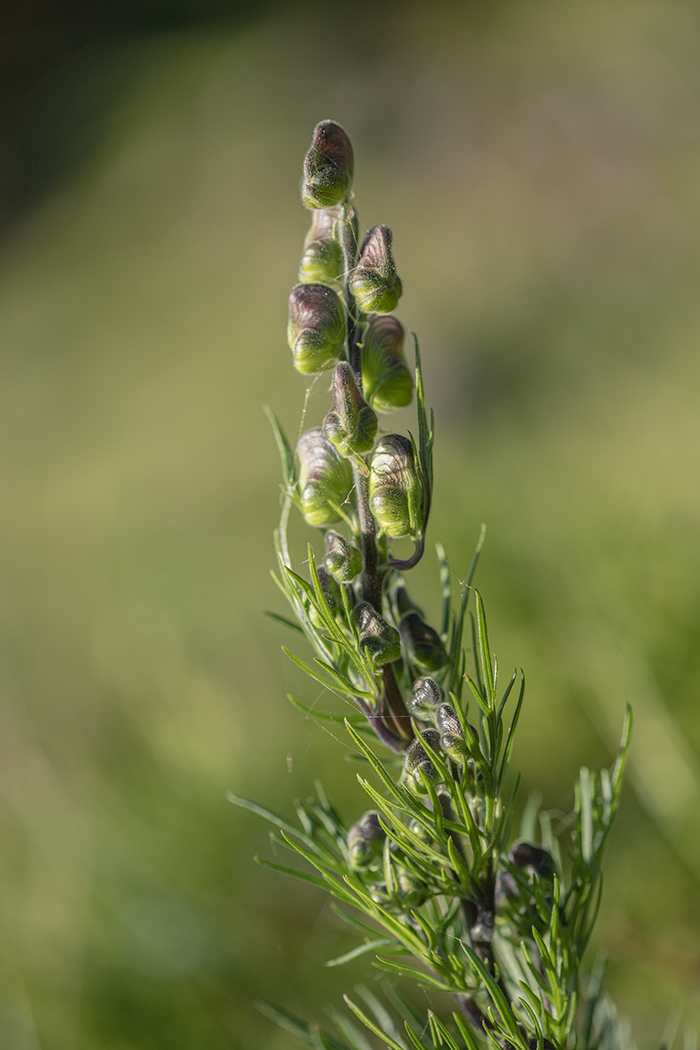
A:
539	164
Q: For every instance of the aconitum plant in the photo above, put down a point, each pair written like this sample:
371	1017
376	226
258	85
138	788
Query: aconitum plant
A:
439	888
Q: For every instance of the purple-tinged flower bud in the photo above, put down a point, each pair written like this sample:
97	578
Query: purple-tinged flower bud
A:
451	735
422	645
377	637
366	841
316	329
351	425
325	480
386	379
526	855
424	699
328	167
395	490
417	762
343	560
322	259
374	282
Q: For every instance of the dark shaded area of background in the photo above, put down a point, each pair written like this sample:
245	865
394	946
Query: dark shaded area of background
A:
539	167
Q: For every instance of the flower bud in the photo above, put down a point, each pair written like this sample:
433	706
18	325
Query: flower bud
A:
351	425
425	699
328	167
374	282
386	379
417	762
526	855
422	645
322	259
325	480
366	841
451	735
395	491
377	637
343	560
412	890
316	329
331	592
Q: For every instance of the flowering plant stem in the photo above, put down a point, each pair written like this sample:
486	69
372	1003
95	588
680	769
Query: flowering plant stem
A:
494	924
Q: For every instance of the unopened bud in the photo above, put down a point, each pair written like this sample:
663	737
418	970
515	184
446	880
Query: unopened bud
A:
377	637
322	258
328	167
423	645
526	855
366	841
395	490
330	591
417	763
316	329
374	282
424	700
343	560
386	379
451	735
412	890
351	424
325	480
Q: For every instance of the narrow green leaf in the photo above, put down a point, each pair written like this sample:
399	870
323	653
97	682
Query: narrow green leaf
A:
386	1039
484	651
466	1033
283	446
292	1024
295	873
267	814
362	949
283	620
325	716
313	674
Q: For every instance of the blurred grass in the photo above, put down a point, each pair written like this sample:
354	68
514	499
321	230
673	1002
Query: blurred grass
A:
538	166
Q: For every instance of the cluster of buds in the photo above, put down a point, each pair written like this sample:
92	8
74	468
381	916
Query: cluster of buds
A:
363	486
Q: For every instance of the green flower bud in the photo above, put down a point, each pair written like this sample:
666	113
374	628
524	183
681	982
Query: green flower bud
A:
412	890
417	762
395	491
526	855
351	425
422	645
451	735
343	560
316	329
325	480
331	592
322	259
386	379
425	699
328	167
366	841
377	637
374	282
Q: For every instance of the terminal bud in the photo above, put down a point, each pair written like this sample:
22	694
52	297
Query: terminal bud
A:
395	490
377	637
316	328
366	841
343	560
374	282
325	480
351	425
386	379
328	167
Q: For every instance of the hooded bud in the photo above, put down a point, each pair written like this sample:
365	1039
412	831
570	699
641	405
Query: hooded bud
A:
343	560
374	282
325	480
417	762
377	637
331	592
351	425
322	258
425	699
423	645
526	855
451	735
316	329
395	491
386	380
366	841
328	167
